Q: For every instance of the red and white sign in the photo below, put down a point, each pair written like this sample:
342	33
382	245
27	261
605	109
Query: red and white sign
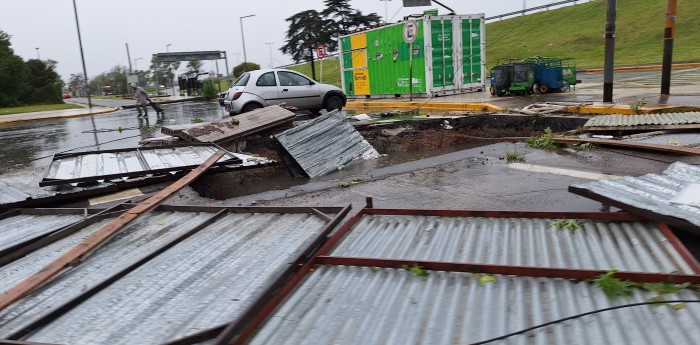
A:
410	31
321	51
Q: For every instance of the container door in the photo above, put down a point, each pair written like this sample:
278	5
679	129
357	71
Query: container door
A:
442	54
471	52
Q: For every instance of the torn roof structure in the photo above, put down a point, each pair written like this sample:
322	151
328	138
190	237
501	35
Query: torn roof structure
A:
118	165
325	144
688	120
460	277
173	272
650	195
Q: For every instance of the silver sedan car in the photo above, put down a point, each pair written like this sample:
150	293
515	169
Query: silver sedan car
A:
260	88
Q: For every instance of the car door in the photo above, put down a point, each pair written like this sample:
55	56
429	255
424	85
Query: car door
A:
266	88
299	91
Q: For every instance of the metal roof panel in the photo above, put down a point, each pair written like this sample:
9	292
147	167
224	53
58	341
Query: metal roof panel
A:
598	245
362	305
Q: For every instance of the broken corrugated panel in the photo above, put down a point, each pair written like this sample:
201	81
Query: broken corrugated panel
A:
20	188
229	129
672	139
204	281
364	305
326	144
95	166
650	194
646	122
597	245
25	227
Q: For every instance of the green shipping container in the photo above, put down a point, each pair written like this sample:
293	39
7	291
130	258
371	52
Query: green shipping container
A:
447	57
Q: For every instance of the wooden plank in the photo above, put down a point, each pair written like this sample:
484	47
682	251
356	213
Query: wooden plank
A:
630	145
100	237
235	128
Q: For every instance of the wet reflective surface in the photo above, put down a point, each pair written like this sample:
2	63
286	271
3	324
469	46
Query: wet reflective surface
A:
29	146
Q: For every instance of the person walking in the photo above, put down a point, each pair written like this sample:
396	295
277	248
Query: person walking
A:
141	99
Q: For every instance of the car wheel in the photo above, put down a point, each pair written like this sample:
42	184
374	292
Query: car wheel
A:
544	88
250	107
334	102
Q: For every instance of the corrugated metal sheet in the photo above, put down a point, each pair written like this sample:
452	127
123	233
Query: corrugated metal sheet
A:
673	139
361	305
81	166
599	245
325	144
20	188
24	227
206	280
650	192
689	119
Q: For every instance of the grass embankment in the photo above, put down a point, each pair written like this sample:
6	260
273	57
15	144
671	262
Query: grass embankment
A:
35	108
577	31
331	71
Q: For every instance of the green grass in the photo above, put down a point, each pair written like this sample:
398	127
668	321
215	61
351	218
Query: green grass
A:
331	71
34	108
577	31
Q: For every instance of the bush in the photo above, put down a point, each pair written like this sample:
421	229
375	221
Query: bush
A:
245	67
208	89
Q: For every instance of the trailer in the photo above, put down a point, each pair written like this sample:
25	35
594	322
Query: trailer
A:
447	57
532	75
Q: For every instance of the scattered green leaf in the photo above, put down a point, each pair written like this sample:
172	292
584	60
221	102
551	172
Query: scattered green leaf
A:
375	269
197	120
657	298
570	224
544	141
417	270
614	287
351	182
678	306
119	129
585	146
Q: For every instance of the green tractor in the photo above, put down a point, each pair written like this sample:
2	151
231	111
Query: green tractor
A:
532	75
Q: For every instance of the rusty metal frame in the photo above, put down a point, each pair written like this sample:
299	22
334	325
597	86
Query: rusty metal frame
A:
146	169
240	331
331	215
21	249
631	145
67	306
101	236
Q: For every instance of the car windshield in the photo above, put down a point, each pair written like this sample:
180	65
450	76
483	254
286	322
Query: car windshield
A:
242	80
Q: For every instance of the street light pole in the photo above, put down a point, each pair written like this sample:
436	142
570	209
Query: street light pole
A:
269	44
82	56
386	10
245	59
38	56
167	47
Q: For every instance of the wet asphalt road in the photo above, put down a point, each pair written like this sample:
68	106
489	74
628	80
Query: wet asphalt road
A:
27	147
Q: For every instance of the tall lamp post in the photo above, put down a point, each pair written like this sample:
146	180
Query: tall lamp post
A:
167	47
170	69
245	59
38	56
269	44
82	56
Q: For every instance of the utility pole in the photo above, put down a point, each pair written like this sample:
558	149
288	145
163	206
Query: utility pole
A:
609	51
82	56
386	10
128	57
669	33
269	44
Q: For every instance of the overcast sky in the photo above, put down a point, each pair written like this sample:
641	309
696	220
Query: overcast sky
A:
148	26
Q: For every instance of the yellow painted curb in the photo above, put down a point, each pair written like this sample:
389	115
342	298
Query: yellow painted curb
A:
627	110
355	105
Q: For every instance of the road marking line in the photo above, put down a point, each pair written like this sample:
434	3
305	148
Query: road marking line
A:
565	172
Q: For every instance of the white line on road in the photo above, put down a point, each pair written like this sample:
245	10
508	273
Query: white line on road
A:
565	172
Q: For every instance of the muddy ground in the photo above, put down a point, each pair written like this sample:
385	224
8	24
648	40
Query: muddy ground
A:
418	138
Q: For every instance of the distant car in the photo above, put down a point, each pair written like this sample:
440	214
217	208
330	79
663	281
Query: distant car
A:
222	97
261	88
66	96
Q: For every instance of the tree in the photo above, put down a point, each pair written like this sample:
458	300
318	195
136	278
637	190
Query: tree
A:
309	28
44	84
195	65
343	20
305	29
164	72
243	67
13	74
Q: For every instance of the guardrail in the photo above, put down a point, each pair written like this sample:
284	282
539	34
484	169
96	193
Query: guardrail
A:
522	12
